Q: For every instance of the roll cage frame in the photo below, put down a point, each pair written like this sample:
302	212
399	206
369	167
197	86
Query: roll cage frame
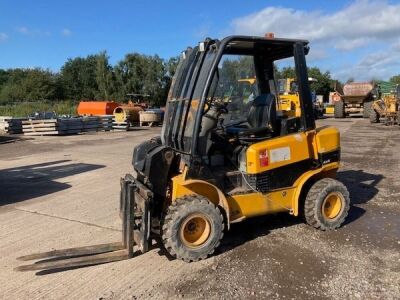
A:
265	51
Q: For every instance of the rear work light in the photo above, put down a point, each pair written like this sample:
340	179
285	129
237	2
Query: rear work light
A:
263	158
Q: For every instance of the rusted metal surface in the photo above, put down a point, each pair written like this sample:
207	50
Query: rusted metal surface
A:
358	88
127	113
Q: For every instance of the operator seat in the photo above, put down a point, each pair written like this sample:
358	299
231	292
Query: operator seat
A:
261	118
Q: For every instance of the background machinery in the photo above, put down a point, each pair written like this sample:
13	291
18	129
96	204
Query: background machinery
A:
211	168
289	100
356	97
387	107
288	96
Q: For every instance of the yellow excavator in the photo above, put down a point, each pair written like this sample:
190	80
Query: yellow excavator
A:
387	108
289	101
209	170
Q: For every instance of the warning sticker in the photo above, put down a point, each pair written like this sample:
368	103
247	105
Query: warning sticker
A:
279	154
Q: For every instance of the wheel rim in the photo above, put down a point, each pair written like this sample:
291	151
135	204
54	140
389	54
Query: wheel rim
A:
195	230
332	205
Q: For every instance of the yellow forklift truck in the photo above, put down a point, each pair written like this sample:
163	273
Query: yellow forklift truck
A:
207	170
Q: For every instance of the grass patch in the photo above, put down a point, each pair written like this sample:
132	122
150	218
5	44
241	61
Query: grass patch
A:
23	109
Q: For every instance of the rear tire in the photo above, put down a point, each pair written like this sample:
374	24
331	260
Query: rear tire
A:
373	116
192	228
367	109
327	204
339	110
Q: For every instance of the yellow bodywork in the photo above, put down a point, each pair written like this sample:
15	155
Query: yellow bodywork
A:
387	105
282	151
250	81
330	109
289	101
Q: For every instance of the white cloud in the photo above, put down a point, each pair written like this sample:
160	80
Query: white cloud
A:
66	32
3	37
23	30
364	24
32	32
377	65
354	26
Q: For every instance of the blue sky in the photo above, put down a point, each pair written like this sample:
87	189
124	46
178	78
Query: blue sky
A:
358	38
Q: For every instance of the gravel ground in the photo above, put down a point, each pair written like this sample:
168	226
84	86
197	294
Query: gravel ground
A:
62	192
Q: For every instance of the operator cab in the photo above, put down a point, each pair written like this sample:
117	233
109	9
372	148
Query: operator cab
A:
225	98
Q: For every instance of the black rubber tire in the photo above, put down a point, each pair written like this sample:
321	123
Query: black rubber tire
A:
367	107
339	110
373	116
314	201
177	212
398	116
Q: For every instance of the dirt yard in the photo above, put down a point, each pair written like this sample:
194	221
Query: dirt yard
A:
58	192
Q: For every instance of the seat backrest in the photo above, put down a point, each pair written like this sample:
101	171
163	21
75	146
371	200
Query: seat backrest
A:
262	112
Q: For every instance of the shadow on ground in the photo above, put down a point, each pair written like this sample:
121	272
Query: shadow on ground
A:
5	139
32	181
361	185
253	228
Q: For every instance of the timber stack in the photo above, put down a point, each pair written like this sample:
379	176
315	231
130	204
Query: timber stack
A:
52	126
11	125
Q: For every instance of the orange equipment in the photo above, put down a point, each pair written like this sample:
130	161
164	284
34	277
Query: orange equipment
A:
96	108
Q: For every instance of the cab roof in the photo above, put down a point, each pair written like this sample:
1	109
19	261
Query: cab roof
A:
273	48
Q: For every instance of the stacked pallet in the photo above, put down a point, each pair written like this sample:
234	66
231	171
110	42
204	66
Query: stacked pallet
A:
91	124
121	126
69	125
11	125
106	122
52	126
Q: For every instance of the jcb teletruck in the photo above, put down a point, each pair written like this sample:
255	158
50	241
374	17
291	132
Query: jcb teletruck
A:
209	170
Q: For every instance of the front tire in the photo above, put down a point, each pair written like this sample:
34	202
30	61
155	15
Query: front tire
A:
339	110
367	108
327	204
193	228
373	116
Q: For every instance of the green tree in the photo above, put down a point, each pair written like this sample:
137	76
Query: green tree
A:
28	84
324	82
141	74
40	85
170	66
104	77
4	74
237	67
11	90
395	79
78	78
286	72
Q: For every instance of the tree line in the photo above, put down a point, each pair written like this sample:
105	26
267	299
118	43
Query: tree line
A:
91	78
94	78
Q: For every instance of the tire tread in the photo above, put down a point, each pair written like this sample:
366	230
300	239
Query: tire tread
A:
173	211
313	199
